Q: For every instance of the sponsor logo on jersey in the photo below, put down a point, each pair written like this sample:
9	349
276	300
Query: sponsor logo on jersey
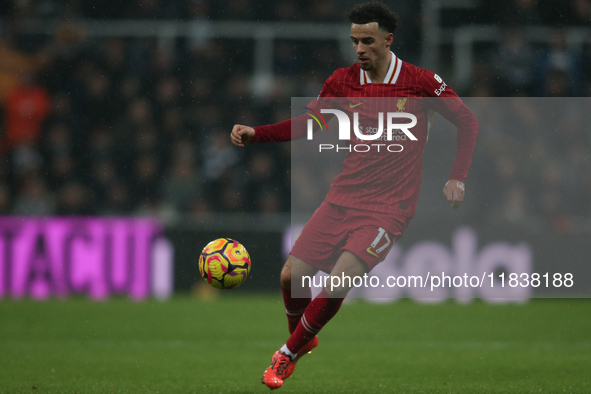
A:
397	134
438	78
441	89
351	105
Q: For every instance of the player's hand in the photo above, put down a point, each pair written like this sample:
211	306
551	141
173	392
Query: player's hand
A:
454	192
241	135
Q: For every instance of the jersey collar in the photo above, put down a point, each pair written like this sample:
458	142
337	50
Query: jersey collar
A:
391	75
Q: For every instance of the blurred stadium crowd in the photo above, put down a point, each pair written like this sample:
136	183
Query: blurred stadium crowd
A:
123	126
523	12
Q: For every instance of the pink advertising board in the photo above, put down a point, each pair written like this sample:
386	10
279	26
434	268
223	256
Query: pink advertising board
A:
43	257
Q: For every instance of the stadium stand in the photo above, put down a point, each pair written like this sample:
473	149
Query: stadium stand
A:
125	125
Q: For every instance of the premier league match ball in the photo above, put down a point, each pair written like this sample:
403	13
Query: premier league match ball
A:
224	263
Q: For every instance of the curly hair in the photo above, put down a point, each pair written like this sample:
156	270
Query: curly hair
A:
374	11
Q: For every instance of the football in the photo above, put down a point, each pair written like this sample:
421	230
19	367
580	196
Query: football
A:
224	263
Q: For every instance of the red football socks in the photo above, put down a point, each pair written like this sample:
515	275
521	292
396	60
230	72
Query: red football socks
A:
317	314
294	308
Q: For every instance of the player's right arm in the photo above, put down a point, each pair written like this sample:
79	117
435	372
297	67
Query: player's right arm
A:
286	130
242	135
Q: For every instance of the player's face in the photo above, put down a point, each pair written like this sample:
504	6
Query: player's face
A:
371	44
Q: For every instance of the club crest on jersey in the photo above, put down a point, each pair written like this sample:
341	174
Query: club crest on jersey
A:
400	104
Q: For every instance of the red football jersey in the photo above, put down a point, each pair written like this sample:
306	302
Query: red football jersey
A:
383	181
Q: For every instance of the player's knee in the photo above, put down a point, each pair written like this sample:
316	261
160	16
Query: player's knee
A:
337	286
286	274
336	291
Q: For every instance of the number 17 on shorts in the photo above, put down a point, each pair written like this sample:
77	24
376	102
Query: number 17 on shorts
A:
378	247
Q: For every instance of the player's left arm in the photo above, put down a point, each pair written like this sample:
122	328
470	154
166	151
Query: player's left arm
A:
454	192
451	107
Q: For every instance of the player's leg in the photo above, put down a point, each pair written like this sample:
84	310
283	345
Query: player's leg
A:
295	306
365	247
326	305
348	265
372	242
316	315
292	276
315	248
282	365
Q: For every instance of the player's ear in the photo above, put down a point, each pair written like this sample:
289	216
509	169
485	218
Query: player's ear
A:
389	39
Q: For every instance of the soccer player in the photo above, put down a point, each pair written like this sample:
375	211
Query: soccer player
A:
351	232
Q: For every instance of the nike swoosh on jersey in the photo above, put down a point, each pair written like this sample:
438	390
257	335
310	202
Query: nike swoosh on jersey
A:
353	106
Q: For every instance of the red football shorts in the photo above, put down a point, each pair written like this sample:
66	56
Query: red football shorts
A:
334	229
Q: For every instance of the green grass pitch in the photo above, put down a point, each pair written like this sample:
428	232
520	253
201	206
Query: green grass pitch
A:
188	345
